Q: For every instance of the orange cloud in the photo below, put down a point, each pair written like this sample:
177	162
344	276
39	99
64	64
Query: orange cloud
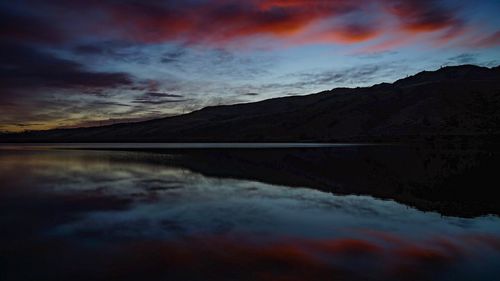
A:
300	21
226	21
343	35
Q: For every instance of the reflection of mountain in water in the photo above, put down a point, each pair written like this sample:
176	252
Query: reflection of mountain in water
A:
458	182
187	214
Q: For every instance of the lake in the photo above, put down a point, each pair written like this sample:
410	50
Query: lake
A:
248	212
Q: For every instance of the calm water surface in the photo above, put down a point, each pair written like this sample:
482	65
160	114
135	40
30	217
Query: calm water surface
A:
117	215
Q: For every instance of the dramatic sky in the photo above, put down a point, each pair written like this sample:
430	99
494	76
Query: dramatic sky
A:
66	63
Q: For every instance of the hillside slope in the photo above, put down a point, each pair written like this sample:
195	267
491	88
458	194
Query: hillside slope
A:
452	101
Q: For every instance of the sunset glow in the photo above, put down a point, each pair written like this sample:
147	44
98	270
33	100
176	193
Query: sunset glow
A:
86	63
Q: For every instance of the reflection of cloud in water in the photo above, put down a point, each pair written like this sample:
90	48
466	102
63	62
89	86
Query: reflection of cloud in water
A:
229	206
144	217
192	203
241	258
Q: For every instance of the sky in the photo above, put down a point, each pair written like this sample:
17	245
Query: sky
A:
71	63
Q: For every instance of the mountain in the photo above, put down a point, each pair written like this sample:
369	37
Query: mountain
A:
452	101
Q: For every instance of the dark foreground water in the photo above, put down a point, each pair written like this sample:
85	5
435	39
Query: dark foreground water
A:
295	213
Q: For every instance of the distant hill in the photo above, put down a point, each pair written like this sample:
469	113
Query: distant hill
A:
461	101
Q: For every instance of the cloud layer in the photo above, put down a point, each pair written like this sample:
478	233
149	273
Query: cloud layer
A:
222	21
60	52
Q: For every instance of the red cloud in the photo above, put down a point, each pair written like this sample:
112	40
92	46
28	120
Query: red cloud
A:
303	21
219	22
348	34
423	16
487	41
214	22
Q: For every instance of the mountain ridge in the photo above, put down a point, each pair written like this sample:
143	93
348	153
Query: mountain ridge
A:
454	100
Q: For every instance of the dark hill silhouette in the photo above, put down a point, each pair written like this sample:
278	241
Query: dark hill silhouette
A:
452	101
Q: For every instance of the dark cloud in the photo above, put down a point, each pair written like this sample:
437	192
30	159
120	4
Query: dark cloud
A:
162	101
150	85
354	75
109	121
465	58
40	87
157	98
17	25
161	95
24	68
173	56
91	50
109	103
114	50
471	58
27	124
